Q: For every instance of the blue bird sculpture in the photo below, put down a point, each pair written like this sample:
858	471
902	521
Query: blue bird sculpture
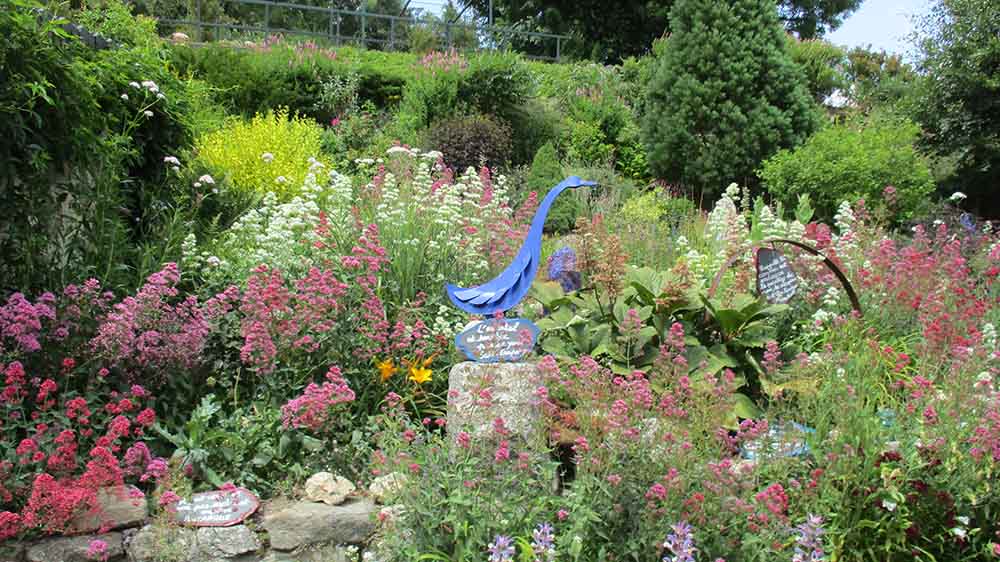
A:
507	289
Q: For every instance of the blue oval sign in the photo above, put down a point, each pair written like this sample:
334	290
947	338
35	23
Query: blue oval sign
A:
498	340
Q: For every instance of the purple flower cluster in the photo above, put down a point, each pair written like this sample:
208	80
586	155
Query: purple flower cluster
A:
680	543
562	268
501	549
809	543
543	543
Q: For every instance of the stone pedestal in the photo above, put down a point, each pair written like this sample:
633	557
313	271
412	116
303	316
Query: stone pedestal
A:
479	393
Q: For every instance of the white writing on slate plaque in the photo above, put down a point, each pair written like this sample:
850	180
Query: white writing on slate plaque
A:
775	278
216	509
498	340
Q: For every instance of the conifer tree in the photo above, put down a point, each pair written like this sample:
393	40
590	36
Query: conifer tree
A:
725	95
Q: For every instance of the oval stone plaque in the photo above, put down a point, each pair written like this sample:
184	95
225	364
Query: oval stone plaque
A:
498	340
222	508
775	278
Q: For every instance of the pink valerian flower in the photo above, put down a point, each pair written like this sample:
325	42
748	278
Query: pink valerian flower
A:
503	452
774	499
985	438
314	408
772	358
562	514
21	322
10	525
97	550
151	331
136	459
155	470
168	497
463	439
277	317
53	504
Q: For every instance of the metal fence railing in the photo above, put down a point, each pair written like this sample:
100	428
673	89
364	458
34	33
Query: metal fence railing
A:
356	27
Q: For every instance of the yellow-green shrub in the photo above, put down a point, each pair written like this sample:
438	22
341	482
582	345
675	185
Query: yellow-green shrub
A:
239	152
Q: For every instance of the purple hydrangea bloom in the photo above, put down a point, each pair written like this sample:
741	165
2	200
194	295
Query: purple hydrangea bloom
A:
562	268
680	543
967	222
501	549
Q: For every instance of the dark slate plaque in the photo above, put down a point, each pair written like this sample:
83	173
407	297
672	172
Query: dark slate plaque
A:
222	508
775	278
498	340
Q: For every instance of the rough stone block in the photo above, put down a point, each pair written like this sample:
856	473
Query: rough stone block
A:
511	388
117	507
73	549
304	523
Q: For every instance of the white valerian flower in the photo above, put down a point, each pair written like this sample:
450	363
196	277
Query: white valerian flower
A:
957	196
171	160
281	179
962	519
134	85
207	179
150	85
213	261
147	113
890	505
197	184
267	157
161	97
124	97
959	532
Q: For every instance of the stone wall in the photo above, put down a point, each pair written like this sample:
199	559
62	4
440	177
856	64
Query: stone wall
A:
282	530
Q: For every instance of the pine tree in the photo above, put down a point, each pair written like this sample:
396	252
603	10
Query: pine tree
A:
725	95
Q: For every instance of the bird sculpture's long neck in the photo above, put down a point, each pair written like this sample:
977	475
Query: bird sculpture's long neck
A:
538	223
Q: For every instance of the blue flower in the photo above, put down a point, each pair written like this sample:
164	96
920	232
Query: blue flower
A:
542	542
968	223
809	543
501	549
680	543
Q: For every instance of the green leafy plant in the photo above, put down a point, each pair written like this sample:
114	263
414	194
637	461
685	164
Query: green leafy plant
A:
856	160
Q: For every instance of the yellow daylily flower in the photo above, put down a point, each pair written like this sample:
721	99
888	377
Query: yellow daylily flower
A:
419	372
386	369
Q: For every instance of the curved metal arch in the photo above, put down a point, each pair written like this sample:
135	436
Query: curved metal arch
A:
844	282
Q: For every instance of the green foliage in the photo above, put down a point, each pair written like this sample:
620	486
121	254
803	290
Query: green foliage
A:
82	150
282	75
853	161
532	125
269	153
821	63
959	99
471	142
877	80
586	144
721	335
546	171
725	96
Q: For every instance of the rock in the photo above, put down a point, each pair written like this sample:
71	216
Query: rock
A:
511	389
12	552
305	523
387	486
158	542
117	507
327	488
390	514
73	549
225	542
326	553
